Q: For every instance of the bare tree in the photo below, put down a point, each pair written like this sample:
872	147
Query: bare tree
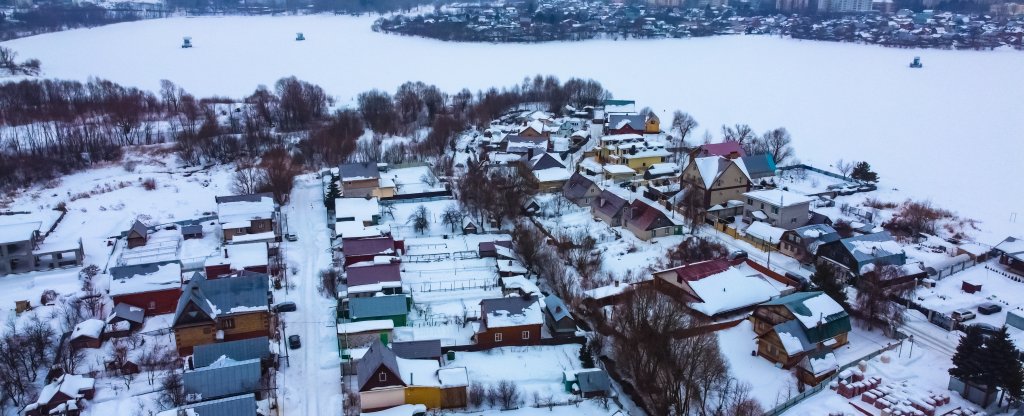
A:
172	390
878	294
453	217
777	143
528	242
740	133
329	283
248	177
280	171
477	394
844	168
420	219
507	394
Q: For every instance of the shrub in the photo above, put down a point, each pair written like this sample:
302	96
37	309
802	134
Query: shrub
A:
477	394
149	184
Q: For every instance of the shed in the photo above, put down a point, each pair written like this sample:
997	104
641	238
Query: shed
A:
594	382
138	234
88	334
970	287
193	231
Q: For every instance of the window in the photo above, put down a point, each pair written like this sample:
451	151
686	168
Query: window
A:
750	201
526	334
497	337
792	219
382	376
227	323
775	210
762	205
152	304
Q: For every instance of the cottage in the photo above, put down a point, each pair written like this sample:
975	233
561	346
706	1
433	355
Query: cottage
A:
358	250
717	179
580	190
763	236
592	383
385	380
240	350
358	218
802	243
608	207
87	334
550	171
233	307
253	257
509	321
626	124
713	287
62	396
661	174
488	249
802	324
617	173
223	378
857	255
154	287
248	218
557	317
138	234
1011	254
362	179
371	279
393	307
779	208
647	221
243	405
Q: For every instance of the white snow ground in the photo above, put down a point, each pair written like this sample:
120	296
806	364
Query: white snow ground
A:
838	100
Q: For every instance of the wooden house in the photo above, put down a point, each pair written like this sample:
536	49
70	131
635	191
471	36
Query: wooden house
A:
358	250
233	307
87	334
137	235
855	255
646	221
488	249
62	396
1011	254
791	327
557	317
717	179
509	321
385	379
802	243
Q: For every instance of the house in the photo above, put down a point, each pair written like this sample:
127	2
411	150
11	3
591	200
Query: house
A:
779	208
358	218
242	405
87	334
510	267
630	149
239	350
253	257
365	249
1011	254
647	221
517	285
223	378
362	179
385	380
557	317
619	106
248	218
488	249
714	287
550	171
22	250
759	166
525	146
856	255
617	173
608	207
393	307
580	189
363	333
372	279
727	149
62	396
763	236
429	349
661	174
590	383
233	307
626	124
509	321
124	320
717	179
154	287
138	234
469	227
802	243
794	326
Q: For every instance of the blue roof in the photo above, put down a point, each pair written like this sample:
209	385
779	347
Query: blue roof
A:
240	350
223	379
244	405
377	307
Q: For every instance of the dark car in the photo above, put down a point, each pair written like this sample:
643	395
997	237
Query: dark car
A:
986	329
285	307
294	342
989	308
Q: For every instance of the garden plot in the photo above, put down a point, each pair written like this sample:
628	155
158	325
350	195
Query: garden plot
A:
948	294
414	180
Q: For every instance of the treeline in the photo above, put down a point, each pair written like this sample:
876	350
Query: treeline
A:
53	127
50	18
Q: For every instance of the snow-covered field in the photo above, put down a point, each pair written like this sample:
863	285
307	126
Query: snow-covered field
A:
946	132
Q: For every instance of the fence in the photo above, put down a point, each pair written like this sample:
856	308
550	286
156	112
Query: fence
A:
958	267
814	169
778	410
542	341
454	285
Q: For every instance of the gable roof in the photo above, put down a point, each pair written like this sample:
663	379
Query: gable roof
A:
237	211
556	307
238	292
609	203
712	167
375	273
765	232
1012	247
722	149
577	186
244	405
622	121
869	247
71	385
546	161
818	314
593	380
511	311
378	355
416	350
240	350
794	339
778	197
759	165
368	246
139	229
223	378
647	217
139	278
699	270
128	313
358	171
377	307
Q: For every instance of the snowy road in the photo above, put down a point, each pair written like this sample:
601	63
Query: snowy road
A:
929	336
311	385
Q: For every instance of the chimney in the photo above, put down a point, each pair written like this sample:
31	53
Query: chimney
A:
616	283
225	252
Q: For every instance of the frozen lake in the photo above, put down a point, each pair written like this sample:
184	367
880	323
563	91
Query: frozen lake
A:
951	132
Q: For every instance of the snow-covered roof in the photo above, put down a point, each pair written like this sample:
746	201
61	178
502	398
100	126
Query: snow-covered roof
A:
778	197
366	326
511	266
1013	247
91	328
402	410
233	214
659	169
821	363
453	377
605	291
521	283
614	169
13	233
142	278
71	385
419	372
765	232
356	229
240	256
730	290
512	311
552	175
356	209
872	246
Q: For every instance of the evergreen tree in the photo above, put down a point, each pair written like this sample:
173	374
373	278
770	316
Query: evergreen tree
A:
863	172
332	193
967	365
586	357
827	281
1000	367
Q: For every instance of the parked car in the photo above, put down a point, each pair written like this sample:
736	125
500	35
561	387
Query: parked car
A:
963	315
294	342
738	255
285	307
989	308
291	237
986	329
803	282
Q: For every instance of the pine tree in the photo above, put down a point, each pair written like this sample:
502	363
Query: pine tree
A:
1000	367
967	361
586	357
826	280
332	193
863	172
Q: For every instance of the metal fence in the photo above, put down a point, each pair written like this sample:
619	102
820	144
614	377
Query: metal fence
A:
958	267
